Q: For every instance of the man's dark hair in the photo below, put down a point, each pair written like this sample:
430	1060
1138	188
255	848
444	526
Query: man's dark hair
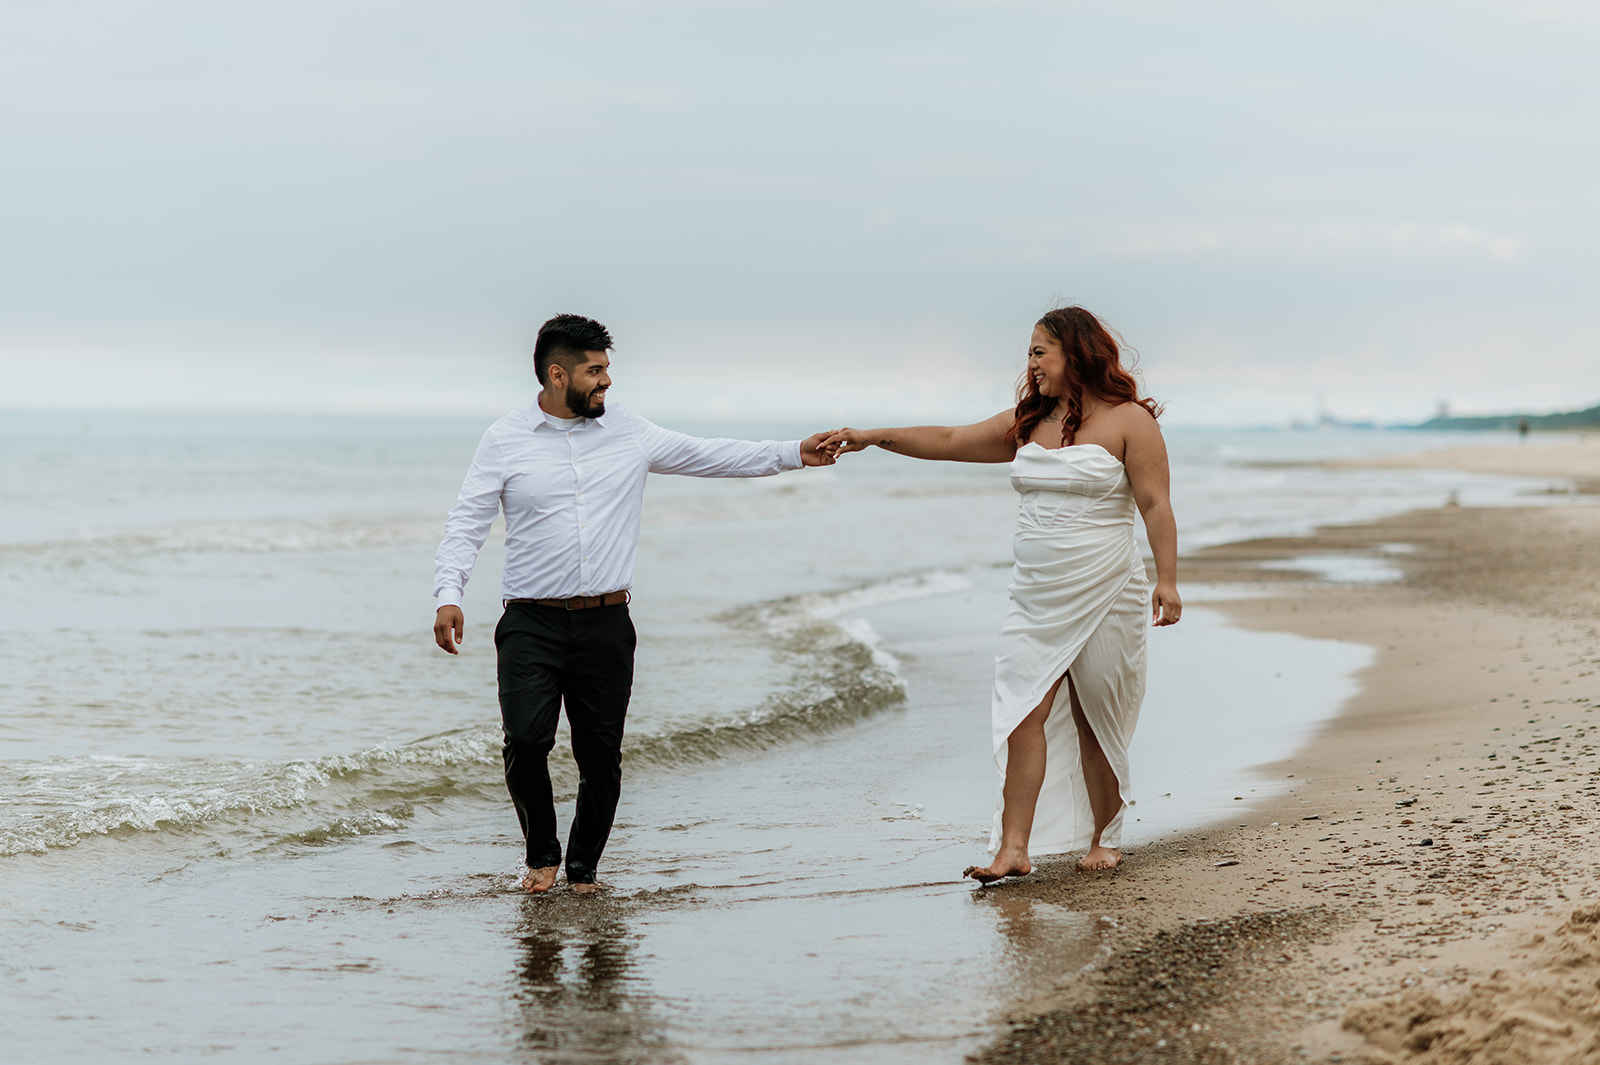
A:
567	339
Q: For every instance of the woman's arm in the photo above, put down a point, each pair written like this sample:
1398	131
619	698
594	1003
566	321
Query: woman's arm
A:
983	441
1146	463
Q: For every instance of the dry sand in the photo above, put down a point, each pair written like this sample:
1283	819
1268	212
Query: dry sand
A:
1428	890
1574	457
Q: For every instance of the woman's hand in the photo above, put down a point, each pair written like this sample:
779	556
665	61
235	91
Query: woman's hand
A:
1165	606
844	441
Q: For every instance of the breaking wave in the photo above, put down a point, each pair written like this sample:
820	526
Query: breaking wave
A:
839	676
245	537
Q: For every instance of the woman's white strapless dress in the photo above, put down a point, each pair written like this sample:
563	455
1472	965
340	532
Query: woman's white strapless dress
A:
1078	605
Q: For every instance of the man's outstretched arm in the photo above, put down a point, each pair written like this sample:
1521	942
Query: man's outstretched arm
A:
694	456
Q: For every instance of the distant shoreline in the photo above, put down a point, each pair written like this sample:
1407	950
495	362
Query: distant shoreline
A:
1573	419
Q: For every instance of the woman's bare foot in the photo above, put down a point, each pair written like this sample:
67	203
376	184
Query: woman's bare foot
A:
582	888
1099	859
1005	864
538	881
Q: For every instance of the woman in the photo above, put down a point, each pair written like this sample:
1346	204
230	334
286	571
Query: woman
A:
1084	449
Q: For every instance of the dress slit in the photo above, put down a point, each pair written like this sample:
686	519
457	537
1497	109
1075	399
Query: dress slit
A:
1090	726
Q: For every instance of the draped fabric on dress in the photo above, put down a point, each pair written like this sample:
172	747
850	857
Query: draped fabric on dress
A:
1078	602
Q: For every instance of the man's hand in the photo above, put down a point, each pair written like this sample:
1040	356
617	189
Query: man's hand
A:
448	626
812	453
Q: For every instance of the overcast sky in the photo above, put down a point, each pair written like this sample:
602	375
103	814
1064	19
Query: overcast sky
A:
840	212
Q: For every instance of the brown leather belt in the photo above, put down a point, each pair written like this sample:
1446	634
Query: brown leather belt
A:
579	602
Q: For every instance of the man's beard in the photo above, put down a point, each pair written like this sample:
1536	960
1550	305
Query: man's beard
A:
582	405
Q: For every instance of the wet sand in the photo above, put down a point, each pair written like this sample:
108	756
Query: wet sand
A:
1428	889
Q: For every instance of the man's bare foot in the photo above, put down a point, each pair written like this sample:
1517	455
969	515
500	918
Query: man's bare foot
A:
1002	867
1099	859
538	881
585	889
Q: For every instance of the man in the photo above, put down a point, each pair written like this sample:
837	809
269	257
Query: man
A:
569	474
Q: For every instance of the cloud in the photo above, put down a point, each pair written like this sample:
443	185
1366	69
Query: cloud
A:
1576	12
861	206
1300	239
930	60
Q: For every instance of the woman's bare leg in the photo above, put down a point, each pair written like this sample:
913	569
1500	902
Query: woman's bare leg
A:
1025	762
1105	792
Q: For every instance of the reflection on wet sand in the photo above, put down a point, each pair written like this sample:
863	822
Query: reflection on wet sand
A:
579	997
1046	945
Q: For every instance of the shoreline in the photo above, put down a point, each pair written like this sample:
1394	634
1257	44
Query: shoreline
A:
1561	457
1428	886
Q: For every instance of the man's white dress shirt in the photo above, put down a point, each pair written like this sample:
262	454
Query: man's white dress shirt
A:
572	493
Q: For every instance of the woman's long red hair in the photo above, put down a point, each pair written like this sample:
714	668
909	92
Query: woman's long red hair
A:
1094	364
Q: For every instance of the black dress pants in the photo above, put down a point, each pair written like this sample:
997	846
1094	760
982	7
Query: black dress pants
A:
547	657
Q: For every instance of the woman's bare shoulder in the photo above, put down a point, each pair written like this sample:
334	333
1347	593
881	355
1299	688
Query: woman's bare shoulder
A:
1129	408
1129	416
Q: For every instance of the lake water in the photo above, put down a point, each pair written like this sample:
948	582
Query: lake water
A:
248	811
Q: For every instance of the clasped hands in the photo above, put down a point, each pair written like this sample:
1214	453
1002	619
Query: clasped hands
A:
824	449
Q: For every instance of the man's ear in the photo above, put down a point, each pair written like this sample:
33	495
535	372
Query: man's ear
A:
556	376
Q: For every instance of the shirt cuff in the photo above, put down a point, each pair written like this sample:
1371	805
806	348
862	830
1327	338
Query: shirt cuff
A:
447	597
789	454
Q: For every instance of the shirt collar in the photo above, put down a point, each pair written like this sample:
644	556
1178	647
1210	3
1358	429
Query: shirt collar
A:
536	417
